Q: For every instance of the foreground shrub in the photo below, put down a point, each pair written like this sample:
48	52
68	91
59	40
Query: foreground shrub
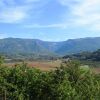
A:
69	82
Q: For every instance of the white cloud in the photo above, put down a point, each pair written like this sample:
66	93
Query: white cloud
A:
10	12
84	13
64	2
88	15
12	15
88	11
13	12
62	26
31	1
68	2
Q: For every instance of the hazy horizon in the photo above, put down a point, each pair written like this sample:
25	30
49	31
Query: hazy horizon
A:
49	20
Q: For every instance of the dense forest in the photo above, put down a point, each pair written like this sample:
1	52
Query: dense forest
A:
71	81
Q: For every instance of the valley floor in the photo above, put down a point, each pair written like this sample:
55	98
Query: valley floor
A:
48	65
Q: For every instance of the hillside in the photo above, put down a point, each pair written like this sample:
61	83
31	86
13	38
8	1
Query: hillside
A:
87	56
35	46
79	45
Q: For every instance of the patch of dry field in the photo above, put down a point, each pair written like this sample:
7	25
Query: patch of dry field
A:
42	65
96	70
45	65
48	65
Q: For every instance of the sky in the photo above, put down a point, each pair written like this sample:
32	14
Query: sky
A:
49	20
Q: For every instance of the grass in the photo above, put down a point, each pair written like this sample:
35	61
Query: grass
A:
43	65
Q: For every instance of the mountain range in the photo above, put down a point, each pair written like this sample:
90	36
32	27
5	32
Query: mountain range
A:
35	46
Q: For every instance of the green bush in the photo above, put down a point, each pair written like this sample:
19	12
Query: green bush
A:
69	82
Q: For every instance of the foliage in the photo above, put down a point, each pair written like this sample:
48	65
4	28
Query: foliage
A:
69	82
87	56
1	60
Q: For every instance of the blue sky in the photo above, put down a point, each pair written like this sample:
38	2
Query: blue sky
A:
50	20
